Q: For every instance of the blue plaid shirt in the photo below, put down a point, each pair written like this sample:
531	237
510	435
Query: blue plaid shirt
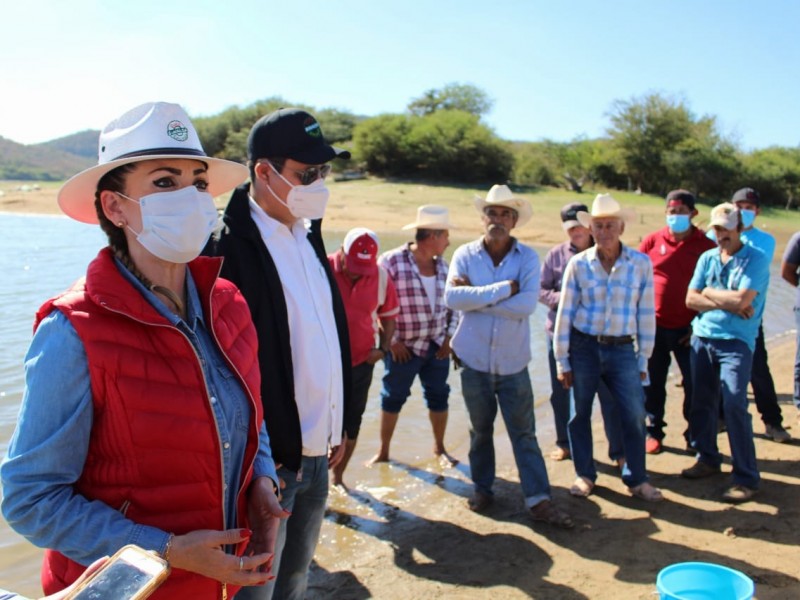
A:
600	303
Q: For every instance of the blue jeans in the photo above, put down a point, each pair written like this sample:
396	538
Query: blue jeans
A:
763	386
723	364
305	496
618	367
432	373
560	401
483	392
797	360
655	394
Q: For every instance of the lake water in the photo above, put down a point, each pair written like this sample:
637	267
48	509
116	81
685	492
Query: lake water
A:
43	255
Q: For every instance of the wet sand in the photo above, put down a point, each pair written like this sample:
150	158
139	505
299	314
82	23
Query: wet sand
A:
404	531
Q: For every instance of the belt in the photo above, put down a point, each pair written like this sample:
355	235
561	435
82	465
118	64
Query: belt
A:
607	340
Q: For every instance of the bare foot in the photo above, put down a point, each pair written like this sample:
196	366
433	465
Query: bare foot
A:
445	459
378	458
340	486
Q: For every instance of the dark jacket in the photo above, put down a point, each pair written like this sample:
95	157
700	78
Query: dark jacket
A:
249	265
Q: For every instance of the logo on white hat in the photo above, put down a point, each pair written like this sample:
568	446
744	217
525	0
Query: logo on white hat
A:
178	131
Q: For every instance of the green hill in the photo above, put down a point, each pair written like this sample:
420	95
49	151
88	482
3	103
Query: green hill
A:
49	161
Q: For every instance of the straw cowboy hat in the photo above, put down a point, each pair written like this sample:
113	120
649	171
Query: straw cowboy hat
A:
604	205
431	216
149	131
501	195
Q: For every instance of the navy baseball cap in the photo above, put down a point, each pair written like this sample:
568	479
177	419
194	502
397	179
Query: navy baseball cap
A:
291	133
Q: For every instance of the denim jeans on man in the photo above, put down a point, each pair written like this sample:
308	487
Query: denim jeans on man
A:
618	367
725	364
668	341
560	401
432	373
305	496
483	393
763	386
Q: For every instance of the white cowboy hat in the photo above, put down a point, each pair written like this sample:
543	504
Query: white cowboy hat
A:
604	205
501	195
149	131
431	216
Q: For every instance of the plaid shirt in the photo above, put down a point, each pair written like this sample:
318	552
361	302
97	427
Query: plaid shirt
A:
416	326
600	303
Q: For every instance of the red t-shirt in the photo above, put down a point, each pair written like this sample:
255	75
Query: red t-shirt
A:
673	267
361	305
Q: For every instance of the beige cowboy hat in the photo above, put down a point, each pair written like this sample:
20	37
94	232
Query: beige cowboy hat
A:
501	195
150	131
431	216
604	205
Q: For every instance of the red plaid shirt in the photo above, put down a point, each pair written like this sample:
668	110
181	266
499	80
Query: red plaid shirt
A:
416	326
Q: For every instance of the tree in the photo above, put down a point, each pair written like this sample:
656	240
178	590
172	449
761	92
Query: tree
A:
775	173
453	96
644	131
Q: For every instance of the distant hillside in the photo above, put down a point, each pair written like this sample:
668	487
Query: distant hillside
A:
49	161
83	143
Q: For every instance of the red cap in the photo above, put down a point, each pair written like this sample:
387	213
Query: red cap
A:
361	251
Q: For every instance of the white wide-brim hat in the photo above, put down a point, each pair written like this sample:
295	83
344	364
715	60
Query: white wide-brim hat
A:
156	130
431	216
604	205
501	195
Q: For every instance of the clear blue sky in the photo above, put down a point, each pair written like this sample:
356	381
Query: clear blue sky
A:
553	68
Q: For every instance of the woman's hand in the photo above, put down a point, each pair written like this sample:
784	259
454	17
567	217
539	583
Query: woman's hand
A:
203	552
265	512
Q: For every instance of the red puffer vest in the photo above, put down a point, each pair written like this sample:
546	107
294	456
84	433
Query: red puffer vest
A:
154	452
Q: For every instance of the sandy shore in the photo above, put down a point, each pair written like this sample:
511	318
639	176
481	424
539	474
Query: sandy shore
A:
404	530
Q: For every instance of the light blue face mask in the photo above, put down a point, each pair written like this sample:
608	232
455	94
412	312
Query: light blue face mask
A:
748	217
679	223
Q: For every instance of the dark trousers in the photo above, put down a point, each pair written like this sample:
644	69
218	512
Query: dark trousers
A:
763	386
668	342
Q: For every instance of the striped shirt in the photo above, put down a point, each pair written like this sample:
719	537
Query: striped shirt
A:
599	303
417	325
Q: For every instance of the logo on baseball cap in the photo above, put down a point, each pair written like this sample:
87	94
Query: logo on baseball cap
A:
360	248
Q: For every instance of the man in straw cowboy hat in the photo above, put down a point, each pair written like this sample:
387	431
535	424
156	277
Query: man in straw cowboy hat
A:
606	305
494	282
421	342
728	291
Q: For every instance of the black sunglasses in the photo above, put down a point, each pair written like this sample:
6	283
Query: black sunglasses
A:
311	174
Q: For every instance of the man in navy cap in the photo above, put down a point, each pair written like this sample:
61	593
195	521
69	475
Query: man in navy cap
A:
274	253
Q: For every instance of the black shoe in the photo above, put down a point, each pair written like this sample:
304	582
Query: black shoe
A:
699	470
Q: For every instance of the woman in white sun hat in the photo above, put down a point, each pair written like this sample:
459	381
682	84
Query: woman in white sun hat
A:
141	418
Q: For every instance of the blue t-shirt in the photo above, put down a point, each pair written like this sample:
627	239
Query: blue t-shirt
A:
748	269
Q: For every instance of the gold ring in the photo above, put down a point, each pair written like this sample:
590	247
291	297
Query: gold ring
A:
241	563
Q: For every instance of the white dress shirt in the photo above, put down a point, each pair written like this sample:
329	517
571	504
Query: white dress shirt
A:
316	355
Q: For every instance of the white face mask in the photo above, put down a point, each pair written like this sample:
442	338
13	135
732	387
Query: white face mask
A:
176	225
304	201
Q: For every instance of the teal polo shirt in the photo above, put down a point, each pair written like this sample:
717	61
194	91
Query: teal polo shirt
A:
748	269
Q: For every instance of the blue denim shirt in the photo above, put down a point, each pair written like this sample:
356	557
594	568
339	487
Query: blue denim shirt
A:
49	447
494	334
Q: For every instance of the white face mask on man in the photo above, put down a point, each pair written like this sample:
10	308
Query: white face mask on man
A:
177	224
304	201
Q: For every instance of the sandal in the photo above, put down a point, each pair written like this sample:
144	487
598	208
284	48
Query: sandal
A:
479	502
549	513
582	487
559	453
647	492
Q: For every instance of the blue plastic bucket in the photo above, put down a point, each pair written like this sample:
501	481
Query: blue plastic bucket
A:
703	581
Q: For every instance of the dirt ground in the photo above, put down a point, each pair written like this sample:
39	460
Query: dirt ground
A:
405	532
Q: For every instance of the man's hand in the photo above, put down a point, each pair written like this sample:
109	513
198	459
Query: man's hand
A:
265	511
460	280
336	454
375	354
514	286
686	339
400	354
565	379
746	312
444	351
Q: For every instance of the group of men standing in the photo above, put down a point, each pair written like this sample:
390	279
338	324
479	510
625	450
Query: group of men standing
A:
616	316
